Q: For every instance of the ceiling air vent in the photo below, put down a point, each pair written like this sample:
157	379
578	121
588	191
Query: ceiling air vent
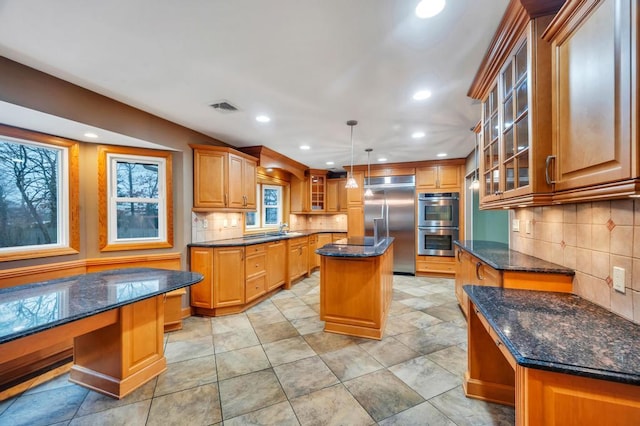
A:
224	106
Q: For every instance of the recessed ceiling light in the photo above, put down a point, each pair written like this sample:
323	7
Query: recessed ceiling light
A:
330	163
442	154
90	135
417	135
421	95
263	119
382	159
305	147
429	8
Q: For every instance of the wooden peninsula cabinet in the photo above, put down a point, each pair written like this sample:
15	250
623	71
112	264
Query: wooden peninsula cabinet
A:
223	178
493	264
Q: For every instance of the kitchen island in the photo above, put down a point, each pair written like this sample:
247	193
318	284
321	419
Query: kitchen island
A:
356	285
560	359
115	317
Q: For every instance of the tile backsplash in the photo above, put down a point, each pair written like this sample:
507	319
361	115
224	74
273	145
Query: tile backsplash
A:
591	238
221	226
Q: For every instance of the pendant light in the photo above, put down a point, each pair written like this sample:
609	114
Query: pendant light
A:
351	182
368	192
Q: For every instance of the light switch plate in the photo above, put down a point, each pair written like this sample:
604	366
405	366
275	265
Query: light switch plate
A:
618	279
515	225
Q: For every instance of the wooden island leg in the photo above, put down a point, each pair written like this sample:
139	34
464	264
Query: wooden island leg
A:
117	359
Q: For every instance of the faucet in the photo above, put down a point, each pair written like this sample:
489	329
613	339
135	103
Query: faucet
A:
282	226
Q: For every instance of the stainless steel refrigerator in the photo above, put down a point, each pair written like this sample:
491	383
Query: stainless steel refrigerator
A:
394	199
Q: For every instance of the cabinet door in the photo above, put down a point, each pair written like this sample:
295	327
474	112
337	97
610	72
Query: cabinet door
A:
317	190
490	187
201	261
342	196
304	259
592	110
427	177
332	195
355	221
276	264
236	188
449	177
228	276
249	183
298	199
323	239
210	178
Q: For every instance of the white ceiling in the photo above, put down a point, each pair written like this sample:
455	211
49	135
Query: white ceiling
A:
310	65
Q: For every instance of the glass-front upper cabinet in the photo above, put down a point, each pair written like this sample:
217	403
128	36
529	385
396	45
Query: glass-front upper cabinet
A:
516	124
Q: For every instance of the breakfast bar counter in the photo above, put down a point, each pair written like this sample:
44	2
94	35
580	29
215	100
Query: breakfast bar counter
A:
356	285
115	317
558	358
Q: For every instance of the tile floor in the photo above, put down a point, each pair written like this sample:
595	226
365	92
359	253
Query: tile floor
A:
274	365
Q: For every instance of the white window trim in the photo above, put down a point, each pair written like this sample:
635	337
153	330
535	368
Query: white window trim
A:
263	208
113	199
260	207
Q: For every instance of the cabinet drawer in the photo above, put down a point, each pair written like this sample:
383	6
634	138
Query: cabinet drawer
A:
440	266
255	287
258	248
255	264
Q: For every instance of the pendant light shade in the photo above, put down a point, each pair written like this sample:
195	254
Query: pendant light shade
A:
351	182
368	192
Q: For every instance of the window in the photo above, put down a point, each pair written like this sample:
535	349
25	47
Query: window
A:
135	199
268	212
38	195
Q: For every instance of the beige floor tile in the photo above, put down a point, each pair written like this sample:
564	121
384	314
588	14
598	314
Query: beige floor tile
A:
382	394
351	361
423	414
197	406
243	394
183	350
426	377
330	406
322	342
465	411
280	414
233	340
132	414
241	361
389	351
288	350
187	374
268	333
304	376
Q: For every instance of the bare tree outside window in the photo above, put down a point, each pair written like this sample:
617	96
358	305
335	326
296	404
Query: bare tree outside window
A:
29	194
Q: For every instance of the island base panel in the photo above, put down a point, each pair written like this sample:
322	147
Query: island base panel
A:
117	359
550	398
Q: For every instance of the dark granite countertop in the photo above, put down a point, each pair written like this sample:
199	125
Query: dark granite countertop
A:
561	332
261	238
31	308
342	248
499	256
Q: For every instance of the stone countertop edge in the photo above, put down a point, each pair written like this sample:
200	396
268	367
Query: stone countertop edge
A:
499	256
252	240
343	250
606	349
90	294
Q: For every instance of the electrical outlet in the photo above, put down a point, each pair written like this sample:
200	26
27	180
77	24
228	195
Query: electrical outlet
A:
527	226
234	222
205	224
225	223
618	279
515	225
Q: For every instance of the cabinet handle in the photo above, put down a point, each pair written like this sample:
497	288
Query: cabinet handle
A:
459	253
225	200
478	265
498	343
547	162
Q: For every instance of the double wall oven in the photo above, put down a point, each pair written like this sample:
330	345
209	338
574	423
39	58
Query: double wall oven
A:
437	223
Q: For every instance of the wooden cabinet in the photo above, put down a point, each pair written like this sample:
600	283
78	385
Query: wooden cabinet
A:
435	266
255	267
336	195
317	190
355	207
338	236
594	132
235	278
318	241
223	178
298	258
276	264
472	270
514	85
439	177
